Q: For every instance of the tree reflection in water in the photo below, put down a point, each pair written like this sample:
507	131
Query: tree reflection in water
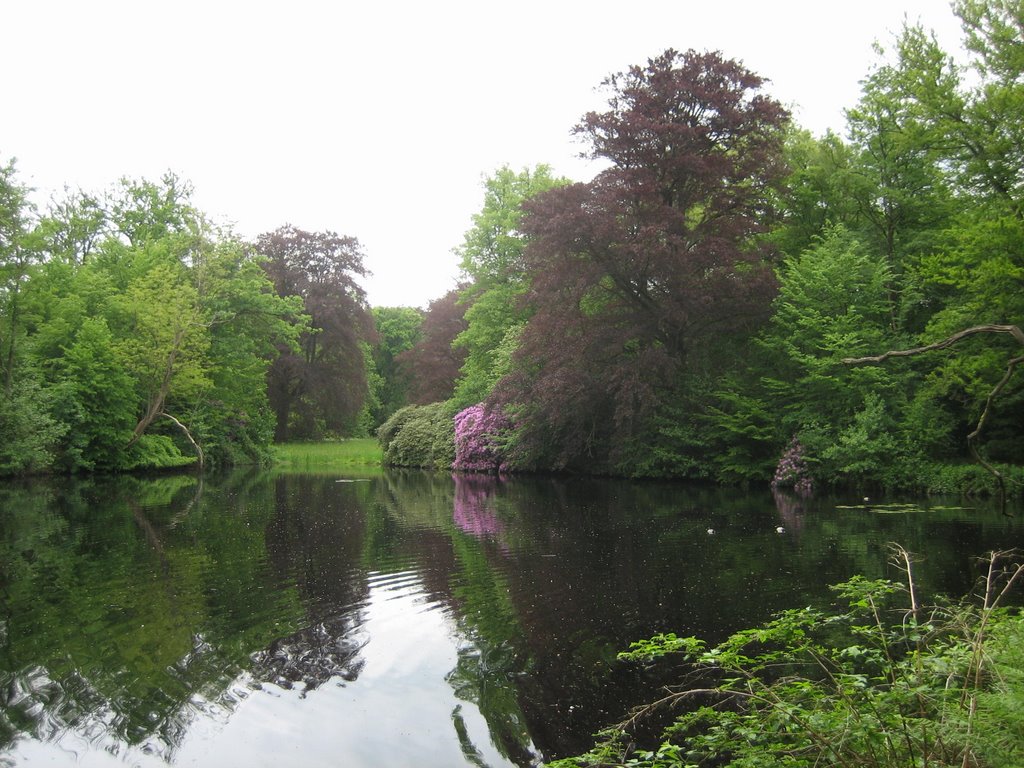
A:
311	657
166	620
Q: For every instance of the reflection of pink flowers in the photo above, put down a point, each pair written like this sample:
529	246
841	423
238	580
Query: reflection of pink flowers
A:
791	509
474	507
478	432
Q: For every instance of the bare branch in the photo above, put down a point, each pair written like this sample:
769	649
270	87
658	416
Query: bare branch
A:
972	439
184	429
1013	330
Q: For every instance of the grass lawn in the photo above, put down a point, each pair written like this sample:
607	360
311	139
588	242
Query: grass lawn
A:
341	454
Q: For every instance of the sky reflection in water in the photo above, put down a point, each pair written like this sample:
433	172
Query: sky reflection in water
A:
413	619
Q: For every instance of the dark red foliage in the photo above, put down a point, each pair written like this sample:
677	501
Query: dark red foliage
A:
323	384
432	365
655	256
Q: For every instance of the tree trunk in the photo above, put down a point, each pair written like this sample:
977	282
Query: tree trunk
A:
184	429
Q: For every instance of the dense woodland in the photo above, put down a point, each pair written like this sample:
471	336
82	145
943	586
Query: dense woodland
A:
690	312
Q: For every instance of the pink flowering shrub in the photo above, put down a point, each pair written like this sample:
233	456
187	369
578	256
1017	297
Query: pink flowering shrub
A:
792	470
478	434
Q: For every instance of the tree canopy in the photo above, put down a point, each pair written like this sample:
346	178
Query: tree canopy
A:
656	256
685	313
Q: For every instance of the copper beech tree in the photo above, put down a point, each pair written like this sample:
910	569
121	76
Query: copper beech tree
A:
322	384
659	253
433	363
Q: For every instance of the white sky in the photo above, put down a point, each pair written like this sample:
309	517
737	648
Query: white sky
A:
380	119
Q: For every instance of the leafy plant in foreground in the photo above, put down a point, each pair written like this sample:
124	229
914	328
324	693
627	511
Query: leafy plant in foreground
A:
883	681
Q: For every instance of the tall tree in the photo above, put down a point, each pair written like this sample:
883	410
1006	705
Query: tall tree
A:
833	299
16	260
170	332
820	190
74	226
903	194
322	385
634	272
432	363
974	272
398	330
492	262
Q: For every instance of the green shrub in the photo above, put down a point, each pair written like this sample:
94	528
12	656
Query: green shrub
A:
30	433
881	681
419	436
156	452
967	479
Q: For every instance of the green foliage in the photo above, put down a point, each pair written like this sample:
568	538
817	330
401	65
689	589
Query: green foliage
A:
29	432
669	445
819	192
362	452
744	434
959	478
1001	708
98	399
878	681
978	277
494	323
492	260
621	321
134	316
834	303
866	447
419	436
156	452
398	330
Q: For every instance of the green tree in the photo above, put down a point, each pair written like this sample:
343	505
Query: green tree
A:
398	330
819	190
492	261
902	194
320	387
141	312
833	298
985	127
73	227
16	260
98	402
166	344
972	274
248	323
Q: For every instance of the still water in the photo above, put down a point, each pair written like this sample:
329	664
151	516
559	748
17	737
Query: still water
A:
402	618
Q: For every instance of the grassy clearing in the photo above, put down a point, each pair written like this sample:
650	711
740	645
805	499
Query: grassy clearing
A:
362	453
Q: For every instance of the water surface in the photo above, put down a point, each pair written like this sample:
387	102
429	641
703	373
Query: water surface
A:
400	619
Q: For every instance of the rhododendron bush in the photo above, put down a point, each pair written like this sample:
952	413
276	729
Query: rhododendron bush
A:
792	470
479	432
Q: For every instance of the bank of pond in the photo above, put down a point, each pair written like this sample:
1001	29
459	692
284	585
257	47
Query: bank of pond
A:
373	617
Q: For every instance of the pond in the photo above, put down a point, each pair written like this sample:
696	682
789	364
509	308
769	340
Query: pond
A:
398	618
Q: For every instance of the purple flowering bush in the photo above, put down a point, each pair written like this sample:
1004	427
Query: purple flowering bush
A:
479	431
792	470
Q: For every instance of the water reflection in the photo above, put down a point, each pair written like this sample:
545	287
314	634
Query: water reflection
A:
474	511
410	619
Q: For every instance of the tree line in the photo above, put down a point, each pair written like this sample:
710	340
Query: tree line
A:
135	334
700	308
690	312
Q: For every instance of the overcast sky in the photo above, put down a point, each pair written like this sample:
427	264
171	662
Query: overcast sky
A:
380	119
